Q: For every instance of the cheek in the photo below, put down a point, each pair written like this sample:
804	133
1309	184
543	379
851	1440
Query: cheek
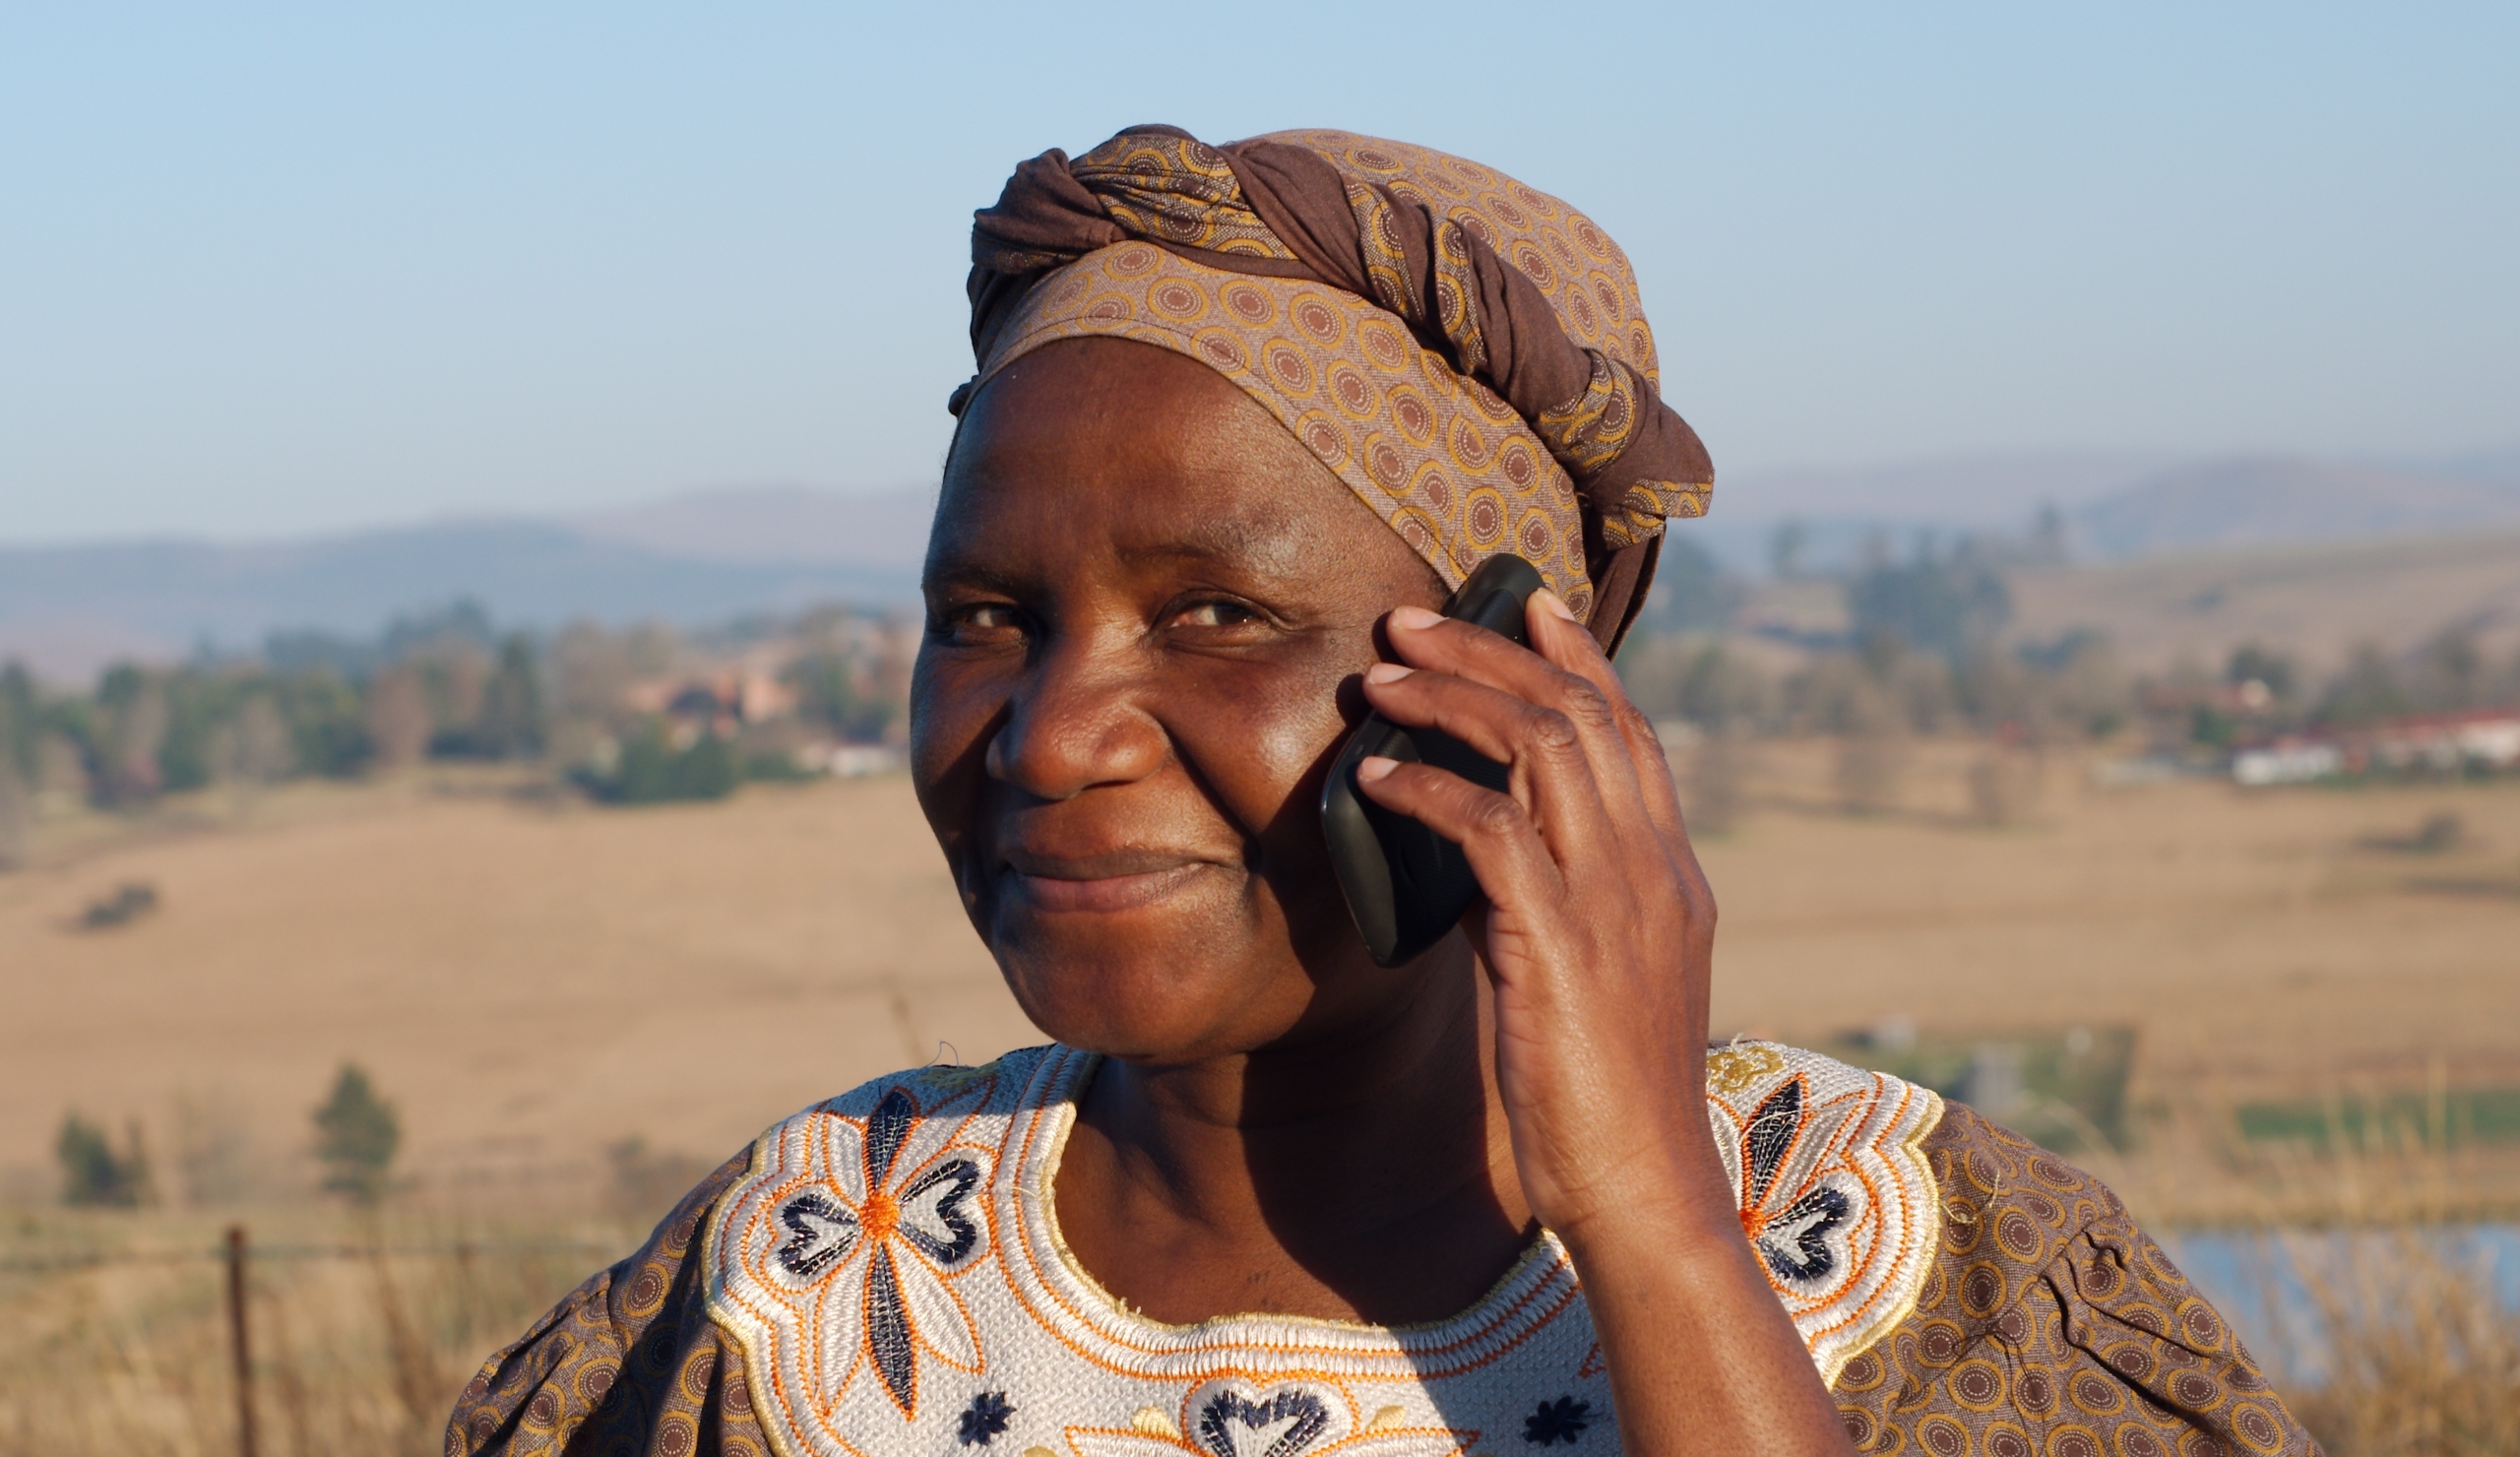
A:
1260	741
951	706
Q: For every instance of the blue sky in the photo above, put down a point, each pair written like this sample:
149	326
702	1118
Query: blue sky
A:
268	268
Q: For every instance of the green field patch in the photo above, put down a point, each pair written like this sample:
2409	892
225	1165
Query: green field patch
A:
2390	1122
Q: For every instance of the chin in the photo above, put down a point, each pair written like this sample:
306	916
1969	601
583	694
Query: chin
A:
1152	998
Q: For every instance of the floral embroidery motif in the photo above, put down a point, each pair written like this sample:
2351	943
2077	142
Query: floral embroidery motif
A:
876	1243
1793	1237
1835	1193
849	1236
984	1418
1286	1421
1229	1417
1559	1421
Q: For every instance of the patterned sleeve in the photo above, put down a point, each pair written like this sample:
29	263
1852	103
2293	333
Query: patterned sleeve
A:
2051	1326
628	1363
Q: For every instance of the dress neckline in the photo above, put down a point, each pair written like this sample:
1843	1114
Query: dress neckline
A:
1046	1274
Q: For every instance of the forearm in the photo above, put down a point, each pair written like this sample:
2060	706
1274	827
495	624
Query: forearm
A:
1701	1356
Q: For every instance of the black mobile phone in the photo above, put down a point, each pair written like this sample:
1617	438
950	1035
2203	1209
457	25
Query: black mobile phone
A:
1406	885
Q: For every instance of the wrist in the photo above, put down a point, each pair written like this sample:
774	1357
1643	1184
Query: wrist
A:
1661	1207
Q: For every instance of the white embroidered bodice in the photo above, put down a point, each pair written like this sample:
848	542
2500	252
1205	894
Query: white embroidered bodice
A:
892	1270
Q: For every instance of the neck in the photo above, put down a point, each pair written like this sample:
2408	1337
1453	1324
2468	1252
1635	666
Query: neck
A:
1363	1175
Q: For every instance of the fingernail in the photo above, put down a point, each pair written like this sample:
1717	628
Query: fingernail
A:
1387	673
1373	767
1550	603
1417	620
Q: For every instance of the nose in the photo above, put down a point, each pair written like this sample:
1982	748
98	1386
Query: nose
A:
1077	722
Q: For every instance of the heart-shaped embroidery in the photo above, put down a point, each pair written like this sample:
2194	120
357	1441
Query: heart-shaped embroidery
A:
935	1198
1286	1421
820	1231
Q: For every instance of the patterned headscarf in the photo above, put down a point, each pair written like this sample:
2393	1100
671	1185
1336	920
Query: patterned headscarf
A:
1468	355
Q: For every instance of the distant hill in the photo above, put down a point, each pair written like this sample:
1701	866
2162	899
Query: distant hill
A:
884	533
2116	507
2317	598
2267	501
716	555
69	609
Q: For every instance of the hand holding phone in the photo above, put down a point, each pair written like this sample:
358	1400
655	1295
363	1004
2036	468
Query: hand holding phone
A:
1408	886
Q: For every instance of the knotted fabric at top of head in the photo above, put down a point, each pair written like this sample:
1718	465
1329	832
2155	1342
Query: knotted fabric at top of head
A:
1525	300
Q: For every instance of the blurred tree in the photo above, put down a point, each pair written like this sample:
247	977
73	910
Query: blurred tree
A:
92	1173
259	750
832	690
17	818
458	624
326	723
1933	603
2450	670
2252	664
199	705
132	706
652	771
356	1136
1692	593
22	725
455	674
396	716
592	672
2366	692
512	724
1841	695
1721	690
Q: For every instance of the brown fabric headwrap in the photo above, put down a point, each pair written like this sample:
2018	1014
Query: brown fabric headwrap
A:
1309	205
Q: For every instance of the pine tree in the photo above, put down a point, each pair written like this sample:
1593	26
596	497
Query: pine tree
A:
356	1136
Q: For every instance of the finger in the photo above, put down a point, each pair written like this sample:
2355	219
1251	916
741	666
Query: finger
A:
1500	839
1565	643
1550	768
1470	652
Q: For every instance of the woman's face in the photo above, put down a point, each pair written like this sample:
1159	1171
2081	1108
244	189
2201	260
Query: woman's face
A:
1148	606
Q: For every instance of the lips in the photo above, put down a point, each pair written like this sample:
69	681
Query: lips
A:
1103	882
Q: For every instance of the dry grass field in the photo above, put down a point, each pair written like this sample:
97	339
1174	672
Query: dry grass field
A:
534	980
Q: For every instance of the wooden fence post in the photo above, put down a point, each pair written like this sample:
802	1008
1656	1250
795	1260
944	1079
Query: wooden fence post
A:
237	1342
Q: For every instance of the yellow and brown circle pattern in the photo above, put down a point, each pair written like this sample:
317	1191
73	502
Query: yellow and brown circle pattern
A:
2052	1327
1436	455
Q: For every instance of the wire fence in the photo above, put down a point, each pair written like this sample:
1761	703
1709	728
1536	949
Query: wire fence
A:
219	1366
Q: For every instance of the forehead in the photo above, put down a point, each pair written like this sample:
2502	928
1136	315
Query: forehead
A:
1105	450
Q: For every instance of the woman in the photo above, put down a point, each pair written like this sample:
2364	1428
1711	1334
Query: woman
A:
1244	417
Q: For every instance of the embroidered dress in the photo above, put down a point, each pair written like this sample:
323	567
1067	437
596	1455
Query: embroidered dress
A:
883	1273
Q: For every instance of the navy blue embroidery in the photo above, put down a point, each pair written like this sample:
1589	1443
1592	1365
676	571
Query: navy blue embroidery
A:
949	1211
1559	1421
888	1332
1216	1434
984	1418
823	1230
1807	1258
1794	1241
820	1232
1770	1137
886	1127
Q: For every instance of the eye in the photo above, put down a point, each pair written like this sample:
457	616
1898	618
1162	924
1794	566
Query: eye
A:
1215	615
978	622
